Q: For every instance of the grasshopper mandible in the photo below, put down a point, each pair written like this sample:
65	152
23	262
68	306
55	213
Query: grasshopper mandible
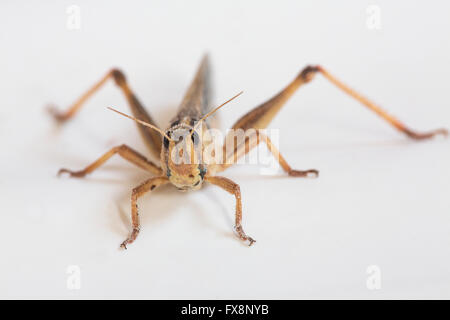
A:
189	121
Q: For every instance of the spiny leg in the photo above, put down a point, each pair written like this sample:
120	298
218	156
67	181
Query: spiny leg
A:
234	189
151	137
137	192
125	152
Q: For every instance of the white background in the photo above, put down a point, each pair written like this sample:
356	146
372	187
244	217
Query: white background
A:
381	199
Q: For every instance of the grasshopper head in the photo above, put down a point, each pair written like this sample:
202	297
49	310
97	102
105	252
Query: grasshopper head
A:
182	158
182	151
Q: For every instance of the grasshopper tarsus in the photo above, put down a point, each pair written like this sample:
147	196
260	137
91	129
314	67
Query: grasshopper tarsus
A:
56	114
426	135
130	239
251	241
312	173
241	234
72	174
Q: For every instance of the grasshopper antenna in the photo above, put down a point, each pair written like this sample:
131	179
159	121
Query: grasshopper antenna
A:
143	123
207	115
214	110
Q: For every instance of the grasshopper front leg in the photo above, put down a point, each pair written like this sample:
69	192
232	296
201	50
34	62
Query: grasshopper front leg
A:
138	192
234	189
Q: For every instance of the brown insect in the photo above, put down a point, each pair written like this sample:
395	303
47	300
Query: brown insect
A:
190	122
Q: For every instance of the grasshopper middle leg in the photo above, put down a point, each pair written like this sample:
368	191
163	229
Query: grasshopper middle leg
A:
283	163
251	141
125	152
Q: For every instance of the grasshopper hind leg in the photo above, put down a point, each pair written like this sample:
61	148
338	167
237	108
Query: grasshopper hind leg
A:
151	137
261	116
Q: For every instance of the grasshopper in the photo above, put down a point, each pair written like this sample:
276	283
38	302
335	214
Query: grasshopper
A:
188	123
